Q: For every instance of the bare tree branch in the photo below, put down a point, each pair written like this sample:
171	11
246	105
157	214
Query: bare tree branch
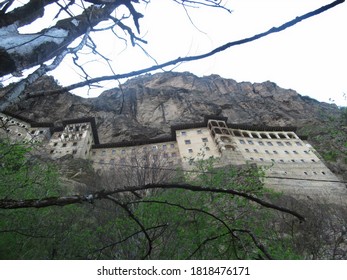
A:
137	221
14	94
197	57
66	200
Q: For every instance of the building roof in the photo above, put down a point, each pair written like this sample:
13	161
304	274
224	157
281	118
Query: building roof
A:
174	128
54	128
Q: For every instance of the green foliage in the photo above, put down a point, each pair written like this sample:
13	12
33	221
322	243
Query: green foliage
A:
23	176
330	155
181	224
344	114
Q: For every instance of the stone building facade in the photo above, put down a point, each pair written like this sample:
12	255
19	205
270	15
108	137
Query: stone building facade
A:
291	164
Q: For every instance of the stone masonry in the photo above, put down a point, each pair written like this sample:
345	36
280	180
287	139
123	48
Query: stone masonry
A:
291	164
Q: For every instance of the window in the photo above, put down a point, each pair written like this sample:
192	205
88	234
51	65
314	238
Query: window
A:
286	152
112	161
298	143
247	150
190	151
288	143
250	142
172	145
313	160
93	153
74	152
173	154
293	160
266	151
154	148
261	159
165	155
32	132
52	151
204	140
279	143
64	145
306	152
164	147
113	152
199	131
183	133
74	144
269	143
281	160
101	161
261	143
323	172
305	172
55	144
122	161
255	150
207	148
295	152
255	135
272	160
123	152
242	142
103	153
237	133
251	158
187	142
275	152
302	160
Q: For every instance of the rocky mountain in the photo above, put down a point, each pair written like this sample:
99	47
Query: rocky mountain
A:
146	106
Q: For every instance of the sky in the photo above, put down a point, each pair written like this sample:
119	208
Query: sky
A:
309	57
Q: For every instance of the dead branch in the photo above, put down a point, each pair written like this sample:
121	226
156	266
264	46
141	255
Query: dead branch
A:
137	221
194	58
66	200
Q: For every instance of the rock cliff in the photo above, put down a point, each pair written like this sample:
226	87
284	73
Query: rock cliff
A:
146	106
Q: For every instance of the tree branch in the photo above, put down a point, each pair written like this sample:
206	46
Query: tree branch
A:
14	94
136	220
62	201
197	57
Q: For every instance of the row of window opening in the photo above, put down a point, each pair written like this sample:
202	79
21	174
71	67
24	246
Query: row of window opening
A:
188	142
282	160
268	143
276	152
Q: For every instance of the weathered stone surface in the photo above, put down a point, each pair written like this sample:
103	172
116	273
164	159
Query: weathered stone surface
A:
146	106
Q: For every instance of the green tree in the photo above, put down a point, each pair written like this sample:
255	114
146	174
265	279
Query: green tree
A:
213	214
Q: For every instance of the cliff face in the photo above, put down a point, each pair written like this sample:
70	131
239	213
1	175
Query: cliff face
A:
146	107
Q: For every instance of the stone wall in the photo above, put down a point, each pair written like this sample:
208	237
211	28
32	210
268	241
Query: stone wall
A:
291	165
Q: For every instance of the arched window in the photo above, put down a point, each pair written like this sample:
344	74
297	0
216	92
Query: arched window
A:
237	133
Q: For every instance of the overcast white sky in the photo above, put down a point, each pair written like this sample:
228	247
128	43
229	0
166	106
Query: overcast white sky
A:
309	57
